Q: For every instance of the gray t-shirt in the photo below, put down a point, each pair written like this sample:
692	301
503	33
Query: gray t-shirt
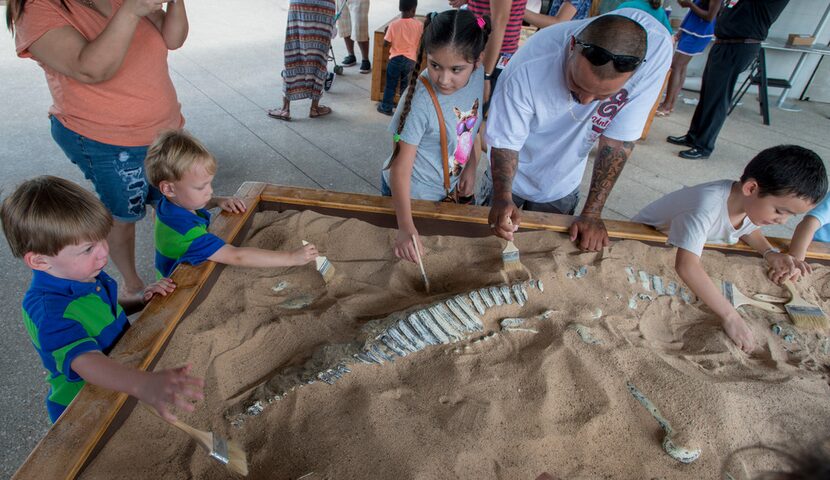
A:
462	114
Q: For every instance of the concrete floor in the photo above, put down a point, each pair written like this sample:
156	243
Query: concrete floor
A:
227	75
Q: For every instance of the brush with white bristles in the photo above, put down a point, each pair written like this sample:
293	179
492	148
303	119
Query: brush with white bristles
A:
324	266
510	255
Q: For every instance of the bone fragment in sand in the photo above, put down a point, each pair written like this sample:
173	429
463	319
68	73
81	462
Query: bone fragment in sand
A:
495	292
513	324
584	333
681	453
644	281
488	299
478	302
629	272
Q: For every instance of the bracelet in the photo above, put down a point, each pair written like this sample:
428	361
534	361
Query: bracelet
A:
771	249
488	76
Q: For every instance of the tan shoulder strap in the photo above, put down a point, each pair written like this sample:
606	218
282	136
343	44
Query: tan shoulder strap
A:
443	133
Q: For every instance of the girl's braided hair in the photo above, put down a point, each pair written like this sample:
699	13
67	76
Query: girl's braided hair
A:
461	30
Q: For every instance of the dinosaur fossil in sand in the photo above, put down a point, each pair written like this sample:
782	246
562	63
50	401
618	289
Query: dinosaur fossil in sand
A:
399	334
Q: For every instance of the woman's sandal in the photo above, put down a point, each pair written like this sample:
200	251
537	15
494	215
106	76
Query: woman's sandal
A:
280	114
662	113
319	111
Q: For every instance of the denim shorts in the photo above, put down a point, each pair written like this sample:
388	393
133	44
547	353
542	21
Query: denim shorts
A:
385	189
117	172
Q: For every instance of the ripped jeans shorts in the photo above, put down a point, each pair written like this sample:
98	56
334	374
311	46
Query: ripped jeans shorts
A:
117	172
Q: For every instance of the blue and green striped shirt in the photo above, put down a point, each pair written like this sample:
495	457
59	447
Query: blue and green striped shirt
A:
182	237
65	319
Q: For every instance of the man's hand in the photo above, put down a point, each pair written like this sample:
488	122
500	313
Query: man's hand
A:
457	3
504	218
589	227
590	233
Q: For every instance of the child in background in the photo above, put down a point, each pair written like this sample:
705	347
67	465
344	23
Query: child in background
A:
779	182
696	31
814	226
558	12
454	42
652	7
70	310
182	169
402	36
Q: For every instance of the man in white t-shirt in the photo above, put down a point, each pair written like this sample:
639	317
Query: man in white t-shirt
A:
779	182
569	86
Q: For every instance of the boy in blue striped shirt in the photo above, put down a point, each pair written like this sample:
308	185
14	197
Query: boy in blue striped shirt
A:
71	310
182	169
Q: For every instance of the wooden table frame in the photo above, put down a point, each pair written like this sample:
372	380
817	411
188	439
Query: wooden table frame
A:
96	412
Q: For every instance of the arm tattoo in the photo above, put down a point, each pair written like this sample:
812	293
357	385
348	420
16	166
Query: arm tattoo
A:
503	168
608	165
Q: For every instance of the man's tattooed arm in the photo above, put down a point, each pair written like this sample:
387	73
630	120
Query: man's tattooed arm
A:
611	158
503	168
504	217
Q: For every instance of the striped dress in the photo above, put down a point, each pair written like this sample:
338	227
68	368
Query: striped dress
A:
307	42
514	24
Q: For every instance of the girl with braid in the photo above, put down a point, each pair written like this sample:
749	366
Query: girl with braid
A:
454	43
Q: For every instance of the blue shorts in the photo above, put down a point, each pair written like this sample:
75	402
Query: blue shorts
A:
117	172
385	189
691	45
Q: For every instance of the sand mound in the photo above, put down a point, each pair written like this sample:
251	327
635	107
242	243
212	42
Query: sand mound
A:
513	406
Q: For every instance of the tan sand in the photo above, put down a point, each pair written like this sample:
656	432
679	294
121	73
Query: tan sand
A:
509	408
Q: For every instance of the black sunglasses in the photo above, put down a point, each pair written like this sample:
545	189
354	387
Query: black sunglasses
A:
600	56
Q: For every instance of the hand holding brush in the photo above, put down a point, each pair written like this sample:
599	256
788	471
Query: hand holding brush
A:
420	263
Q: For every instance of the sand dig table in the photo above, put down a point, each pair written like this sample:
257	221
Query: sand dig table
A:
533	379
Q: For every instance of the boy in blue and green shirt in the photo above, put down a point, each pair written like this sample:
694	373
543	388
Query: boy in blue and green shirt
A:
183	170
71	310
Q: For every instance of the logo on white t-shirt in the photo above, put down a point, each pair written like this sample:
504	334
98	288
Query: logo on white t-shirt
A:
607	110
601	118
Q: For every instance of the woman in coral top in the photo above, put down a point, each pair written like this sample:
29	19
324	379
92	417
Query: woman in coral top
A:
106	66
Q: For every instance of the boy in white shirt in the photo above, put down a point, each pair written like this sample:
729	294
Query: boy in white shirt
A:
779	182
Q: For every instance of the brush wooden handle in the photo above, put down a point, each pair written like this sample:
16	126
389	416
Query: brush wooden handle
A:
796	298
770	298
764	306
420	262
194	433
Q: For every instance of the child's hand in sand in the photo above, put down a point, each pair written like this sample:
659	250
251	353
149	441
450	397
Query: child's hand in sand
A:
231	204
786	267
161	287
174	387
405	247
303	255
739	332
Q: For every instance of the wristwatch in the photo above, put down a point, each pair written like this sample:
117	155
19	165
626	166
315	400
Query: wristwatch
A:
488	76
